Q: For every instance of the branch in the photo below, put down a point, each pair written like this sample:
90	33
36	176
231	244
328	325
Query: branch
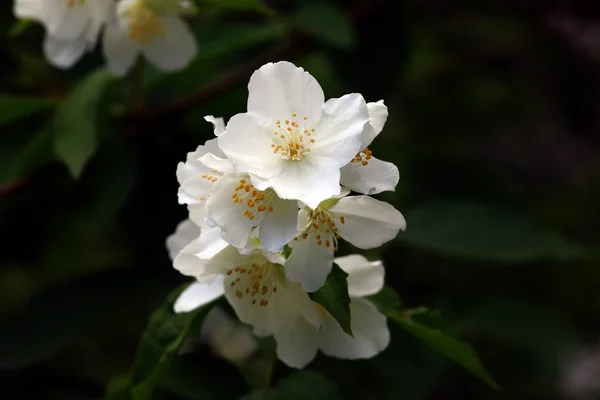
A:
242	73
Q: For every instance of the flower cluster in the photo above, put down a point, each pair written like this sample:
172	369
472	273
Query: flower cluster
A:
154	28
277	180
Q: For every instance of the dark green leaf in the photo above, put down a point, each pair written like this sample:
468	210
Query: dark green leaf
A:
334	298
429	327
19	27
387	301
443	340
160	343
76	121
18	163
302	385
62	314
14	108
119	388
484	232
326	23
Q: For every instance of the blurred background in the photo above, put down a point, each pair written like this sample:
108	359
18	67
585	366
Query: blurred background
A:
494	124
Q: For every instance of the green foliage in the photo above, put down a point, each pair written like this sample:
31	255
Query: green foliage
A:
14	108
302	385
333	297
326	23
60	315
33	154
160	343
76	121
484	232
428	327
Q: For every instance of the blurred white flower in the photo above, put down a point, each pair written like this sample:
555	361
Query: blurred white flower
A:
290	139
361	220
72	26
151	27
366	174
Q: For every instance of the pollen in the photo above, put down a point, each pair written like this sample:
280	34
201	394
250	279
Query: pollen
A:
144	26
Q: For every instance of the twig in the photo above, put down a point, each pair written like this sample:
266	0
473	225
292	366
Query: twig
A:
242	73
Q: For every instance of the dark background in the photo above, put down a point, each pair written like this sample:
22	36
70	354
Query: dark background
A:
494	124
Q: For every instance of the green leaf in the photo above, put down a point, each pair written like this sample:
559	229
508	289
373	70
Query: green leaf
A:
484	232
57	317
334	298
429	327
18	163
14	108
301	385
160	343
20	27
326	23
76	121
387	301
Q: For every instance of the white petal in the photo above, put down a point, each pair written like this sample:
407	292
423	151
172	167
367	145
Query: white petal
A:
64	54
297	343
364	277
369	326
375	177
279	226
199	294
207	255
233	215
175	49
378	114
309	264
213	162
265	319
247	145
218	123
73	25
339	133
310	181
119	50
368	223
276	91
196	214
185	232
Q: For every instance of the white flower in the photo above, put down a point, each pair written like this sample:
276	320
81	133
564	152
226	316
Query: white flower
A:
196	179
255	284
361	220
237	207
291	139
365	173
153	28
72	26
261	295
298	341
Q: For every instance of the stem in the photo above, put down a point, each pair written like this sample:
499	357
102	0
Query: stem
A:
136	93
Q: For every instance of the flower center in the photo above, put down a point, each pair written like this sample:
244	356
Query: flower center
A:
323	225
256	281
362	157
74	3
144	26
292	140
255	200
